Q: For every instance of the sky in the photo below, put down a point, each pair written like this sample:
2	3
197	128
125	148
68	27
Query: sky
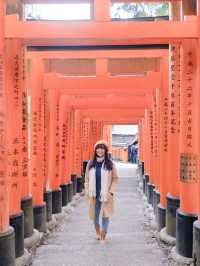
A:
66	11
125	129
59	11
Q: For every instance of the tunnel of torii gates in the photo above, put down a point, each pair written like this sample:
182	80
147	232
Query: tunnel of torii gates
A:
68	113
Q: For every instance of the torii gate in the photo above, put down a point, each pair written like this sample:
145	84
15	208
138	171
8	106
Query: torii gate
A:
101	64
37	162
182	30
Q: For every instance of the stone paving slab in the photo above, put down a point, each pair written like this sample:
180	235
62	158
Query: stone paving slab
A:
130	243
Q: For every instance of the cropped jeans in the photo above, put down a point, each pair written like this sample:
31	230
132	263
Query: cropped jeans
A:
105	220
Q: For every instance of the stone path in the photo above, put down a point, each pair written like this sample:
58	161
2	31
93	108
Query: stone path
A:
130	242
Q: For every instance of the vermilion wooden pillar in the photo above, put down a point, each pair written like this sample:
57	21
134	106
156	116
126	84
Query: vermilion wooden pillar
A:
13	83
54	150
141	157
107	135
140	140
164	143
155	149
142	148
72	124
74	157
7	241
156	137
70	152
102	10
144	142
196	225
77	146
189	146
92	141
95	132
64	116
71	140
4	220
143	145
172	197
26	192
85	134
150	133
173	201
150	163
188	8
99	129
26	188
147	142
37	143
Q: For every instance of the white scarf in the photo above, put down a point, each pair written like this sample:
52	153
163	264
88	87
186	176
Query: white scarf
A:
105	183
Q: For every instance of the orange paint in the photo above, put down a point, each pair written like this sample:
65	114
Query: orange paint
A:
135	84
163	118
101	10
13	84
85	135
37	131
140	139
26	187
53	167
98	33
147	143
4	179
64	116
77	148
174	121
189	118
155	148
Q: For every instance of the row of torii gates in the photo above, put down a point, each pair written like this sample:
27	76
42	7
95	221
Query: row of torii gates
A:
75	97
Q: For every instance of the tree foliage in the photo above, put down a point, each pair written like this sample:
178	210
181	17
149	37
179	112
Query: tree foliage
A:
135	10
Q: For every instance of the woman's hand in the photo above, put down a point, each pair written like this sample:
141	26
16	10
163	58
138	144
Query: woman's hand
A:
110	195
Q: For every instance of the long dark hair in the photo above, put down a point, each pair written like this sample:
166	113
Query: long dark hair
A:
108	164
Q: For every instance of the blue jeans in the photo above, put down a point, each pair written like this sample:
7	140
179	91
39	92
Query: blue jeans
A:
105	220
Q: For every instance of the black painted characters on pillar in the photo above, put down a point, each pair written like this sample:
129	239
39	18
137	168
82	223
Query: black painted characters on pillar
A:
57	140
2	134
24	137
16	78
34	174
151	130
175	90
165	142
189	95
188	170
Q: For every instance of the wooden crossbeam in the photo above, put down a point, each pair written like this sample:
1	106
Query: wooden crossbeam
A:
100	33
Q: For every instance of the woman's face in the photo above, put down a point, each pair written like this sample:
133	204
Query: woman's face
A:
100	151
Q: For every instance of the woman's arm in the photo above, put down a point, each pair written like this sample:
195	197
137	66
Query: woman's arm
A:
114	179
87	180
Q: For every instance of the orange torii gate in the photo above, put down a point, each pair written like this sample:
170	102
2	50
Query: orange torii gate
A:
80	103
39	70
109	117
99	32
84	103
68	84
187	29
96	91
101	66
93	86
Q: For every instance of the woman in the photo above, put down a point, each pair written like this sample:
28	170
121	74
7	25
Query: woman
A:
100	184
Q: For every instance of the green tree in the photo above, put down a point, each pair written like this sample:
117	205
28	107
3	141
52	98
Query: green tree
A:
143	9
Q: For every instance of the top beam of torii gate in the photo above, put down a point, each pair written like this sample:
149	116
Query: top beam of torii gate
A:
85	1
101	30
